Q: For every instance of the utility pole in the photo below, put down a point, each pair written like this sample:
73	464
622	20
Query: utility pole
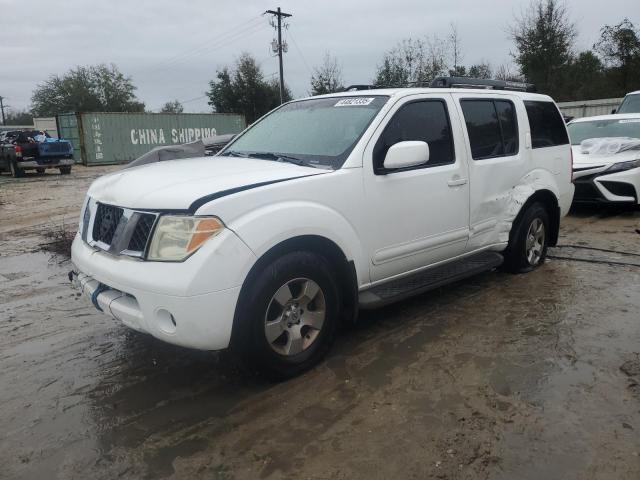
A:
280	14
2	109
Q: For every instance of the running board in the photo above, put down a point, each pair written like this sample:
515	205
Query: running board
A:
429	279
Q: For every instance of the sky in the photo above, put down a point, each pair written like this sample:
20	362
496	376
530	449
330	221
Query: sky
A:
171	49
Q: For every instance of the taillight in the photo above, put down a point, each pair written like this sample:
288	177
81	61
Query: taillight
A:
18	151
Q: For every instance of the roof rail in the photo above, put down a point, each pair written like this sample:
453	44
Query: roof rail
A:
354	88
468	82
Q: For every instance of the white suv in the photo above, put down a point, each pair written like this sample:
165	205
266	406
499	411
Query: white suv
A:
324	206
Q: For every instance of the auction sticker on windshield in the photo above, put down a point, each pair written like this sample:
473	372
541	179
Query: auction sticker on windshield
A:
352	102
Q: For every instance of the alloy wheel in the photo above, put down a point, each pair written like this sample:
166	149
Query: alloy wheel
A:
295	316
535	241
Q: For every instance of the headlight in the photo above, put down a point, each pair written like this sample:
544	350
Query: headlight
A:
620	167
177	237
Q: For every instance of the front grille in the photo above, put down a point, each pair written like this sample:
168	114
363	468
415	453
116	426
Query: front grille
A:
106	222
142	232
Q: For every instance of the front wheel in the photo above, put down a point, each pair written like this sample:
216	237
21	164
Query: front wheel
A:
287	317
529	240
65	170
40	170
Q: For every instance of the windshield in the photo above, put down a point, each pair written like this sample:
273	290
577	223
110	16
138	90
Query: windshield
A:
318	132
630	104
624	127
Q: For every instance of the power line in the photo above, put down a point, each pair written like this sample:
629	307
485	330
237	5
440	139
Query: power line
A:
221	45
295	44
253	22
205	49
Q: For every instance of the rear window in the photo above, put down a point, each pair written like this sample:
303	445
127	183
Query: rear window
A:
547	126
492	127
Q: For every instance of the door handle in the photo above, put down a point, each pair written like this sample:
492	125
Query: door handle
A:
456	182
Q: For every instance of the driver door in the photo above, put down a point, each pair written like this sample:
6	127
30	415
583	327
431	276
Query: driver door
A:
418	215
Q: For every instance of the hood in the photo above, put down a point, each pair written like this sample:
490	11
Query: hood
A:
584	160
176	184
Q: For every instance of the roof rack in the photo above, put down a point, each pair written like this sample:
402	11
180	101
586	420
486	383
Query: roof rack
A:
354	88
468	82
456	82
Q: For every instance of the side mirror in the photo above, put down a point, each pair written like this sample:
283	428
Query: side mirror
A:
614	111
406	154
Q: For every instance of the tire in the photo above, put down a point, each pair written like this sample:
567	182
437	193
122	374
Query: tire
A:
40	170
15	171
528	241
287	316
65	170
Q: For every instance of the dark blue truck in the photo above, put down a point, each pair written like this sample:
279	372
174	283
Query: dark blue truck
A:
22	150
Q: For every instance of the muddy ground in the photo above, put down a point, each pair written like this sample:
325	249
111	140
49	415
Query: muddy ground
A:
532	376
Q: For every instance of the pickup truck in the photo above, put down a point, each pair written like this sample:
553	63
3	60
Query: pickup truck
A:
22	150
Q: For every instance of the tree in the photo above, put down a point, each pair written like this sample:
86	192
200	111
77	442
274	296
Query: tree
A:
415	61
456	51
619	47
459	71
504	72
18	117
95	88
244	90
544	38
590	72
327	78
480	70
173	106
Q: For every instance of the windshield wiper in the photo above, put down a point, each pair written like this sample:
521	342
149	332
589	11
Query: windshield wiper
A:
235	154
279	157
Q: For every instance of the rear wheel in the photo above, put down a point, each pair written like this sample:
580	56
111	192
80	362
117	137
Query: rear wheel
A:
15	171
65	170
288	315
529	240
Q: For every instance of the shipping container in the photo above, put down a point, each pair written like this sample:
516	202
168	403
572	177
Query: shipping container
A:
589	108
111	138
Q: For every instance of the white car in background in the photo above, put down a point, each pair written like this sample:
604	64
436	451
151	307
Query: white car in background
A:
630	104
606	158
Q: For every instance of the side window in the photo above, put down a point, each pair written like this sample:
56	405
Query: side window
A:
424	120
547	126
492	127
509	125
483	127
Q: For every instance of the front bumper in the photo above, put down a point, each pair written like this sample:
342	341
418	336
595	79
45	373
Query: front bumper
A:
191	303
600	187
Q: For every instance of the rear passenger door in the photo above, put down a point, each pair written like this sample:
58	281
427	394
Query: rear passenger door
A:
491	124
